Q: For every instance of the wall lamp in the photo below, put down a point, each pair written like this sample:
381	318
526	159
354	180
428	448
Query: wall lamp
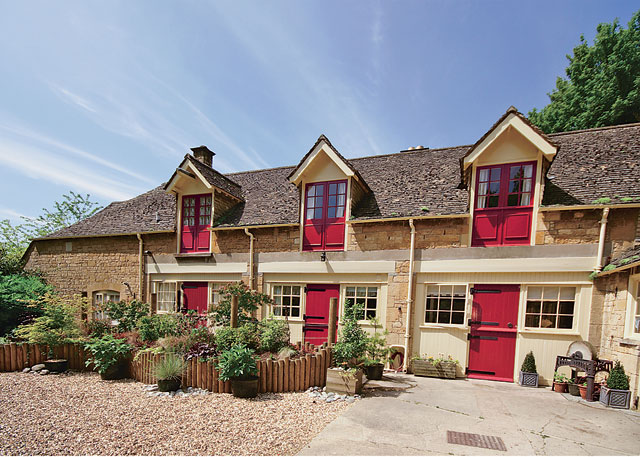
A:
323	256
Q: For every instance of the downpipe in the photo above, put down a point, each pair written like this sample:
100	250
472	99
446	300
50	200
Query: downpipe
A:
603	233
407	334
251	238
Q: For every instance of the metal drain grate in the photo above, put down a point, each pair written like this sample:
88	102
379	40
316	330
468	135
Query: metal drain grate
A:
471	439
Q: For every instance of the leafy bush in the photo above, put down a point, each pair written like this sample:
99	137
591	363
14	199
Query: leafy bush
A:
152	328
274	335
351	347
247	335
97	327
202	351
559	377
171	366
106	351
237	362
377	349
59	323
617	378
529	363
127	313
16	290
248	302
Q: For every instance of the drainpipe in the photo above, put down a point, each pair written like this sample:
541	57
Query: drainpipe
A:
251	238
407	334
140	266
603	232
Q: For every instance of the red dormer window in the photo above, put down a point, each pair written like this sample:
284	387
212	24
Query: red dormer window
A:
504	204
324	216
196	219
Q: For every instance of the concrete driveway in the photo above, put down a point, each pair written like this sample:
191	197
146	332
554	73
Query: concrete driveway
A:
529	421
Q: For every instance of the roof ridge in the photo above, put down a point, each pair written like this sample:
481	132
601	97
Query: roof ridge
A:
190	156
259	170
595	129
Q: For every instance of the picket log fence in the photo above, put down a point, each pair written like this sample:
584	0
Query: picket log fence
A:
282	375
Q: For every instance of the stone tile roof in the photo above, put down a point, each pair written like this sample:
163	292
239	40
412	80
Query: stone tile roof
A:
589	165
215	178
150	212
625	259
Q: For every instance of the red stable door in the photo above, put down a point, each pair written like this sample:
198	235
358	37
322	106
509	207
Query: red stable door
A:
316	317
196	220
324	216
196	296
493	329
503	208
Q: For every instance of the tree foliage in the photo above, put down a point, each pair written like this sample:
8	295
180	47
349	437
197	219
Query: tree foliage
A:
350	350
529	363
248	302
15	293
602	84
618	379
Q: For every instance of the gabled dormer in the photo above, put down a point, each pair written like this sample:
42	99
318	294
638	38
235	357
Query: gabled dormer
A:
203	195
329	187
504	172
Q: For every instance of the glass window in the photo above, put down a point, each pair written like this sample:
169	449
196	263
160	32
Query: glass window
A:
215	294
366	296
550	307
445	304
166	297
488	187
636	314
100	300
287	300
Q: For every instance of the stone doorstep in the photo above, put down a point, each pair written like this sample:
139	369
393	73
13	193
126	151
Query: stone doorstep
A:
390	382
597	404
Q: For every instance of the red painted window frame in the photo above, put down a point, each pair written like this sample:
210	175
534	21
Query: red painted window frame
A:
512	224
199	233
326	233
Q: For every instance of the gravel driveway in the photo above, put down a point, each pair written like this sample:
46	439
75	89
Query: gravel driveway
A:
81	414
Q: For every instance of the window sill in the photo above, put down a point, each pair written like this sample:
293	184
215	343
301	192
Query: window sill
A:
549	332
444	326
192	255
629	341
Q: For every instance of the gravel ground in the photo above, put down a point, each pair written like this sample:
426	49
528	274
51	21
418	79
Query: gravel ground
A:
79	414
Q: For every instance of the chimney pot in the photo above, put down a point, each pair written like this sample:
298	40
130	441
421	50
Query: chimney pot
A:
204	155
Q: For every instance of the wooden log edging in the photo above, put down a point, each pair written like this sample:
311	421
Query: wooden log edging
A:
18	356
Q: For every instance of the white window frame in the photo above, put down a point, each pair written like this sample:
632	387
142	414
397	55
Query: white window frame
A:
157	285
468	302
576	309
302	300
102	315
344	298
633	302
213	287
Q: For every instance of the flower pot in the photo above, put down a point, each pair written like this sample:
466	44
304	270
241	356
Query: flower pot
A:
116	371
344	382
445	369
245	387
560	387
615	398
57	365
573	389
583	392
374	372
169	385
528	379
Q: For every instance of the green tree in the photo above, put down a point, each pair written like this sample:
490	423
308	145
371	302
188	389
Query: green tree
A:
15	293
602	86
248	302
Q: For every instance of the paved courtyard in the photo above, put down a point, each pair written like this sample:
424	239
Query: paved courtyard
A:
529	421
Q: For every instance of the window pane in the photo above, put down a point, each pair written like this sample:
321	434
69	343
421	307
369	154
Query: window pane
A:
528	171
551	293
277	290
549	307
495	174
514	186
295	290
515	172
512	200
277	300
482	202
277	311
568	293
548	321
432	303
532	320
534	293
318	213
370	313
482	188
566	307
286	301
311	191
341	199
445	304
444	317
333	188
525	199
295	312
340	212
565	321
361	291
493	202
533	307
319	189
459	304
295	302
457	318
331	212
342	188
333	200
445	291
372	291
484	175
494	188
372	303
431	316
526	185
310	213
460	291
286	290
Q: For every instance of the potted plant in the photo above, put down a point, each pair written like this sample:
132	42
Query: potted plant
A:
528	372
377	351
348	354
615	392
238	364
168	371
434	367
573	387
108	356
583	390
560	382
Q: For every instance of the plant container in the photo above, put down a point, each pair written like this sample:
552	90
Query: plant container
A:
445	369
374	372
344	382
169	385
573	389
560	387
57	365
116	371
583	391
245	387
615	398
528	379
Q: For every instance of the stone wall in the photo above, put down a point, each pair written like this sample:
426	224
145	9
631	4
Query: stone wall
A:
273	239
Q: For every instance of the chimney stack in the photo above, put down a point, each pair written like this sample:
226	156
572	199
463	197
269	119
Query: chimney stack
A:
204	155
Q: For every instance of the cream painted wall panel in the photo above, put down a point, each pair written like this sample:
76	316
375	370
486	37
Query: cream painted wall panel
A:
211	268
448	341
305	278
528	265
218	277
510	146
545	348
506	278
329	267
323	169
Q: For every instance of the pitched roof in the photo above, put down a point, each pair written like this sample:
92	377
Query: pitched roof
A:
590	164
215	178
624	260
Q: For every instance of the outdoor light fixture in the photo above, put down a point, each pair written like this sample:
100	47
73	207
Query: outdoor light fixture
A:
323	256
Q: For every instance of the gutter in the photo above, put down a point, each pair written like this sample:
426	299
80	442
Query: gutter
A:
581	207
407	333
251	238
140	266
603	233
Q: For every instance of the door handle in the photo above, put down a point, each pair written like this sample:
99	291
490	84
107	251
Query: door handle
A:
510	325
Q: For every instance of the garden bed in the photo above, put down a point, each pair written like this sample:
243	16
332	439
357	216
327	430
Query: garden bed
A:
80	414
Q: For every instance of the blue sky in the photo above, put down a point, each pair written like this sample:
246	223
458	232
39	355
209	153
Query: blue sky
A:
105	98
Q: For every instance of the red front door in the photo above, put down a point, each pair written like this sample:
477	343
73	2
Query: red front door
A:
316	317
196	296
492	337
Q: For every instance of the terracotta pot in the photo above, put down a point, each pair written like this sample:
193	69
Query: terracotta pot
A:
583	392
560	387
245	387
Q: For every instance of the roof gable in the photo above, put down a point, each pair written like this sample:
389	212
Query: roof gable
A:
192	168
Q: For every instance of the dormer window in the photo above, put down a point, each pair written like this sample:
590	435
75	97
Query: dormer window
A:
196	220
324	216
504	204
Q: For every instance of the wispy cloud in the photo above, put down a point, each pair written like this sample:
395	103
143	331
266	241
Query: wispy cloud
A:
73	98
12	215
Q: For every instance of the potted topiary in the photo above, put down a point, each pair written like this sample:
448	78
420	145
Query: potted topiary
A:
615	393
528	372
109	356
238	364
348	354
560	382
377	351
168	371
